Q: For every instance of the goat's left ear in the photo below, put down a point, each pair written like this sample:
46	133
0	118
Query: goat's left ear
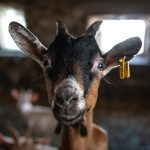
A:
128	49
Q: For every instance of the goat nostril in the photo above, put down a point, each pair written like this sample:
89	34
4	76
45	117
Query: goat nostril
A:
70	76
74	99
59	100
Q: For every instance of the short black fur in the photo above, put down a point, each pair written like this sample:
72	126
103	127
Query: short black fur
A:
67	53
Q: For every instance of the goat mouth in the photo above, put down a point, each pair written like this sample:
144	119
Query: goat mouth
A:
71	120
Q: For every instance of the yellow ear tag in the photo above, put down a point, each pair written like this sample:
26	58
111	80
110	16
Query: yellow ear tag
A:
124	68
127	70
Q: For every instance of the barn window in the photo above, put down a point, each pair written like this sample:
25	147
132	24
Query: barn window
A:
115	31
8	14
116	28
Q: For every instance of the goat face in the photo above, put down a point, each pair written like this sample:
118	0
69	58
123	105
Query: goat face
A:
73	67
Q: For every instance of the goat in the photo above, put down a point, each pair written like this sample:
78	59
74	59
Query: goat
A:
74	67
40	119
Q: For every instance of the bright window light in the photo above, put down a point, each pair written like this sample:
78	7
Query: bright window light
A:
8	14
112	32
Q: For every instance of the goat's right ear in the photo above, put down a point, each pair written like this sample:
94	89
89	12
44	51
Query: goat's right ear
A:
93	28
27	41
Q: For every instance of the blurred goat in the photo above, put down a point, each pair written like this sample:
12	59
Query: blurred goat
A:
23	143
39	118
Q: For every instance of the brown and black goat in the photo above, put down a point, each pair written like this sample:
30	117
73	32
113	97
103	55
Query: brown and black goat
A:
73	70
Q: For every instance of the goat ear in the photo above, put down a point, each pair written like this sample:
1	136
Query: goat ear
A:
27	41
128	49
92	29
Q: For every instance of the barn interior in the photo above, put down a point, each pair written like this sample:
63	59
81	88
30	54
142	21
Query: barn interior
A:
123	105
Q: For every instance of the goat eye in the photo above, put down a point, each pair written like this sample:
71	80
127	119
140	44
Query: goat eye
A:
101	66
45	61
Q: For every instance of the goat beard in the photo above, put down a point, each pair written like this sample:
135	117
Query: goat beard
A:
80	126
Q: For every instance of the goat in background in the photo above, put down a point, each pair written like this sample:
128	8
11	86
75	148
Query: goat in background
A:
40	120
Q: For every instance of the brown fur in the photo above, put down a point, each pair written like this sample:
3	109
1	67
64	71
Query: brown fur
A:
97	138
49	90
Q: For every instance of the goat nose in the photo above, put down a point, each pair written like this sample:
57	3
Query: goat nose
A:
66	99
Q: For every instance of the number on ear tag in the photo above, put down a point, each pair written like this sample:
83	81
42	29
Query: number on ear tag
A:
124	68
127	70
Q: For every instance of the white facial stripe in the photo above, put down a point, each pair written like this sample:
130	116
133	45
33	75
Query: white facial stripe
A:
74	85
